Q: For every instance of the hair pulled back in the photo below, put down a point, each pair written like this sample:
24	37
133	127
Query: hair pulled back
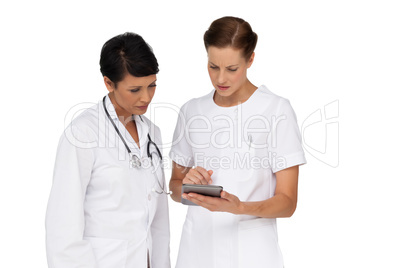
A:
231	32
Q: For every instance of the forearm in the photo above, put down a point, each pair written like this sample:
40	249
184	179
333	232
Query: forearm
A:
278	206
175	187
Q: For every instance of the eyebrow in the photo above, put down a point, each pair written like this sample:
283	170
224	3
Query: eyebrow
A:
135	87
233	65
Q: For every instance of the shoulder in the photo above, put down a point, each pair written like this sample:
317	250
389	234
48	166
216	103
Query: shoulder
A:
264	94
83	128
274	103
88	119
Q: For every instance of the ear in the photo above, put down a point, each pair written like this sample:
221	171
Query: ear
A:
251	60
109	84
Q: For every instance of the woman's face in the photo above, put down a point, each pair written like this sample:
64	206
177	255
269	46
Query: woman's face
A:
228	70
132	95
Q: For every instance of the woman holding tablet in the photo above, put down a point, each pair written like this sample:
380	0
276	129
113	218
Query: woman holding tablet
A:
245	139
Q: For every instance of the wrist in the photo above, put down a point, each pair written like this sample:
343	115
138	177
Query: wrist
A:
242	208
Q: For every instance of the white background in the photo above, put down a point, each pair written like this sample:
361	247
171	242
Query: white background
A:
311	52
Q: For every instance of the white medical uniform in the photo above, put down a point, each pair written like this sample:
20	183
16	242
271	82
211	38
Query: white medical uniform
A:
245	145
102	213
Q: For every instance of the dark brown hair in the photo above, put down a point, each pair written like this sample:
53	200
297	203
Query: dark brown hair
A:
231	32
127	53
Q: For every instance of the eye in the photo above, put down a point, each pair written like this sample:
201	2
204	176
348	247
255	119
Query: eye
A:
213	67
152	86
134	90
232	70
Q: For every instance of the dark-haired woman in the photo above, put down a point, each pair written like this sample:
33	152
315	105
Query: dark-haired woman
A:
108	203
246	139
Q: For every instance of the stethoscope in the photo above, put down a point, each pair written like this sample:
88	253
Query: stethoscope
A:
135	161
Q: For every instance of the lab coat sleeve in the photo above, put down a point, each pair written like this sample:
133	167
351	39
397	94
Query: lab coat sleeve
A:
160	230
181	151
284	142
65	212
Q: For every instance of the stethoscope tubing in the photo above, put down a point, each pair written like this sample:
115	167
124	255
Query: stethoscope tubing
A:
150	141
149	154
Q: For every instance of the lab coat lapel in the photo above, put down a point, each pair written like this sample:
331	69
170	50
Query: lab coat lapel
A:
142	129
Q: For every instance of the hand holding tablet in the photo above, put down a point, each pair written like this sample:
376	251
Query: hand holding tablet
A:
207	190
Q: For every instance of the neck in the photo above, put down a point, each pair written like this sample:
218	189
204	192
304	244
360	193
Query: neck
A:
122	114
238	97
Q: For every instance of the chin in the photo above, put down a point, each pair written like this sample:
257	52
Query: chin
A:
224	93
140	112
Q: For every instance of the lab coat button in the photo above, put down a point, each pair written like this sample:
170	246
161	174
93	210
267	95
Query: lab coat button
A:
149	197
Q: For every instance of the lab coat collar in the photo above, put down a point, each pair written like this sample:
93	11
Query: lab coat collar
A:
142	126
112	111
110	108
143	130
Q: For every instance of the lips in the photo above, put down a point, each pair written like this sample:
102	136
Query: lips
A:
223	87
142	107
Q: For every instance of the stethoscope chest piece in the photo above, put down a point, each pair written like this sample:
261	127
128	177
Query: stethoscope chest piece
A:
135	161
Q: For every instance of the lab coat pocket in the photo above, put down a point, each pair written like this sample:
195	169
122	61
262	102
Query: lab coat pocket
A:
258	244
109	253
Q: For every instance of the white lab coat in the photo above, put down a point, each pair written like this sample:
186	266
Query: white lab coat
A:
244	145
101	212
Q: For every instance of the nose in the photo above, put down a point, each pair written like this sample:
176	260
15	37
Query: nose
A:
146	96
221	77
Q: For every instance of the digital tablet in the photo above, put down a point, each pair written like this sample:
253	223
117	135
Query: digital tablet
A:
207	190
